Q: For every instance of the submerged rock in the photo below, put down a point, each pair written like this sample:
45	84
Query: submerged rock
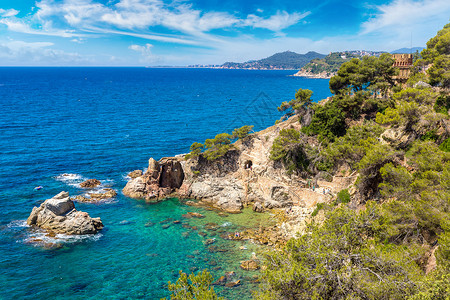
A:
90	183
58	215
249	265
233	283
193	215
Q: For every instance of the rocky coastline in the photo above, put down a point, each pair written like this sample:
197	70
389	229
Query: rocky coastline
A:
309	74
244	177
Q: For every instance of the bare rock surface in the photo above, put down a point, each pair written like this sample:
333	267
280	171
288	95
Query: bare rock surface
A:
58	215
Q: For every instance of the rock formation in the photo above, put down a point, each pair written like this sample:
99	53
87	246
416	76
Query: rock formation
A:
90	183
244	176
162	178
58	215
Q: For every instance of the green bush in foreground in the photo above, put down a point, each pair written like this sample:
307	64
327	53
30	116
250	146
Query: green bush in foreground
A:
192	287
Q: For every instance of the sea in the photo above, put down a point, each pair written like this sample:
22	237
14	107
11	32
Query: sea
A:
61	126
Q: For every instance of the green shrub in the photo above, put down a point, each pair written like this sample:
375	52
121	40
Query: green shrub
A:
193	287
287	148
442	104
430	136
318	208
343	196
445	146
243	132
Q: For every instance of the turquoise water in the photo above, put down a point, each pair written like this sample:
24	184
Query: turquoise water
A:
101	123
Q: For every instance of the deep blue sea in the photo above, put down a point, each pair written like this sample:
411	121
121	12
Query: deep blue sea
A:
102	123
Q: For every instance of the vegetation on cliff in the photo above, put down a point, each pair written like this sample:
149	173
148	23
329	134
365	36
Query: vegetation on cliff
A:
331	63
397	140
387	237
217	147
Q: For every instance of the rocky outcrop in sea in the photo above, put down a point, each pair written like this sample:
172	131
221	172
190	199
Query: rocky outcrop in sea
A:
58	215
160	180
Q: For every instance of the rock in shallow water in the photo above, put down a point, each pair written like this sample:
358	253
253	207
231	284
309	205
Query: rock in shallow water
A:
90	183
250	265
58	215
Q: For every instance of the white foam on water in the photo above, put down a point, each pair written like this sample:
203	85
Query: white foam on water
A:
107	182
17	224
40	237
71	179
125	177
226	224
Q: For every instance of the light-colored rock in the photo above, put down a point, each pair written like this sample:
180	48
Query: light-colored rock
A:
257	207
135	188
58	215
421	85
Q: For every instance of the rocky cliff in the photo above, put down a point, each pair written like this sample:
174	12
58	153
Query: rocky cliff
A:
243	176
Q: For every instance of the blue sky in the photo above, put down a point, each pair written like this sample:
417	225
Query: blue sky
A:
182	32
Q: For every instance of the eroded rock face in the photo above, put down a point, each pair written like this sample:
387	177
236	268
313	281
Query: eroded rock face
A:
58	215
226	194
161	179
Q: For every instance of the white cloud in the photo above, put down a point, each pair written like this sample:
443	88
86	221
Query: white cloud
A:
277	22
406	14
146	53
37	53
5	13
139	16
46	29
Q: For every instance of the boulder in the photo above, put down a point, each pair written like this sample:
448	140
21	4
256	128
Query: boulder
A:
249	265
257	207
108	194
421	85
58	215
233	283
221	281
90	183
135	188
192	215
135	173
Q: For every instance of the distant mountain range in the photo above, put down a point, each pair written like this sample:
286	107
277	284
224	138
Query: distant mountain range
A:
407	50
279	61
283	60
315	62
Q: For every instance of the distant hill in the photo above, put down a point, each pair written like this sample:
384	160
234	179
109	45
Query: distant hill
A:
283	60
329	65
407	50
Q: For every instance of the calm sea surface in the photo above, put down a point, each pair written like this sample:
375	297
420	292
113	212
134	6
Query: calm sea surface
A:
102	123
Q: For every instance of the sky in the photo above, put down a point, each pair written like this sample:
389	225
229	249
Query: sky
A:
186	32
